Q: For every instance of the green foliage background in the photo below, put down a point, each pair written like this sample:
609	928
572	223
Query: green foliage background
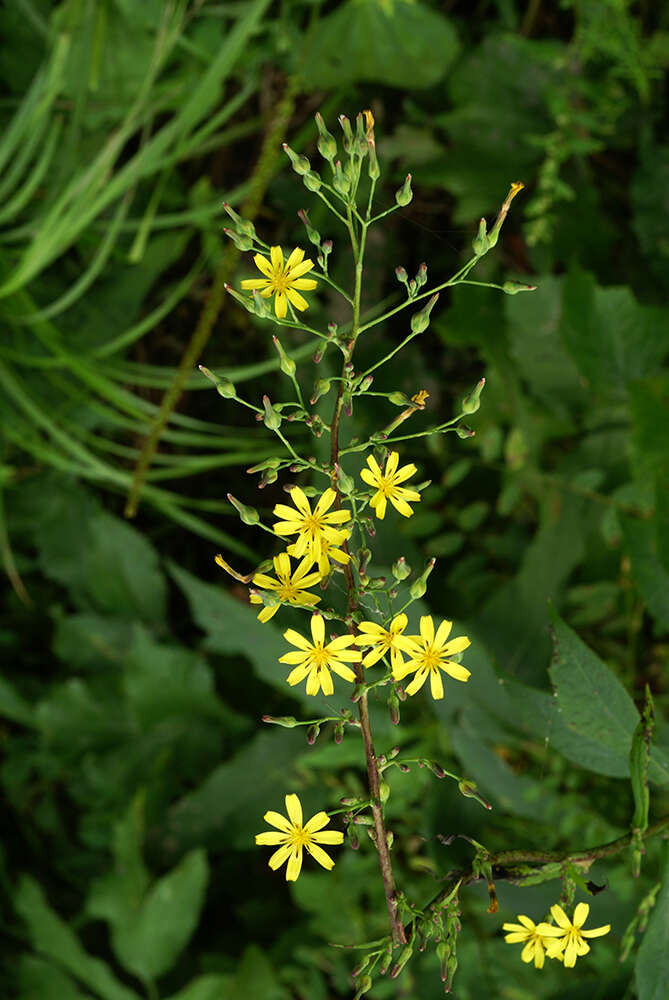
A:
135	770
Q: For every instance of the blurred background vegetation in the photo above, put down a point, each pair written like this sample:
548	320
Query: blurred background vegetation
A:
135	770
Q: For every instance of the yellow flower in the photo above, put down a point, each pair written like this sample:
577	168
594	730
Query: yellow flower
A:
315	660
290	588
567	939
387	485
311	527
282	279
293	837
383	640
431	654
528	932
328	551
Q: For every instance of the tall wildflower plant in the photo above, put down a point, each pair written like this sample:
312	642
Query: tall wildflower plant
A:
326	529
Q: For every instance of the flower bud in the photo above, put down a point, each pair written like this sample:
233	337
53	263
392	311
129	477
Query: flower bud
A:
300	164
401	274
272	417
363	985
384	791
464	432
224	387
249	515
340	182
401	569
366	383
399	399
419	586
421	320
513	287
480	241
286	721
421	276
313	234
352	835
339	732
244	226
470	791
287	365
321	388
313	733
373	168
405	955
269	463
471	403
394	709
345	484
327	144
312	181
348	134
261	306
241	241
404	195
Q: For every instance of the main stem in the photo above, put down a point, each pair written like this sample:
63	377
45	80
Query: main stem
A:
373	776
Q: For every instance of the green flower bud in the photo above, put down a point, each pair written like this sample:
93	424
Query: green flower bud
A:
404	195
401	274
244	226
373	169
394	710
421	320
261	306
419	586
421	276
346	484
513	287
287	365
313	733
312	181
348	134
327	144
480	241
321	388
400	569
272	417
340	182
249	515
405	955
300	164
363	985
399	399
241	241
313	234
269	463
384	791
464	432
472	402
224	387
286	721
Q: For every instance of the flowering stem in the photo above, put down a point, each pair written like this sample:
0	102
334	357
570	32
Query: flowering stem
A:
373	777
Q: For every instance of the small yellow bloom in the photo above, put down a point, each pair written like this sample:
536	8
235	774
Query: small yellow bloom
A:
315	659
385	640
282	279
387	485
293	836
566	940
290	588
328	551
311	527
431	654
528	932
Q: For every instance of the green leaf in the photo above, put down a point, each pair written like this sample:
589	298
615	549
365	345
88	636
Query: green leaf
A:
650	198
401	43
609	335
255	977
594	705
150	941
649	574
13	706
52	937
40	980
210	987
650	416
118	895
652	962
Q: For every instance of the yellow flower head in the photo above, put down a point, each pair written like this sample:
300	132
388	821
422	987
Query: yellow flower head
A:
385	640
528	932
290	588
282	279
315	659
311	527
430	654
387	485
567	938
293	836
328	551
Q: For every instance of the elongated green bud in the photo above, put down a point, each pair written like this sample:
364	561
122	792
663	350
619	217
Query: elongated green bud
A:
399	399
480	241
313	733
419	586
472	402
272	417
313	234
312	181
299	163
421	320
363	985
242	225
340	182
401	569
348	134
249	515
384	791
269	463
286	721
287	365
405	955
345	483
513	287
224	386
373	168
321	388
327	144
464	432
241	240
404	195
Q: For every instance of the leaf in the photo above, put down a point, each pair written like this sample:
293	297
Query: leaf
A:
40	980
650	198
652	963
150	941
650	417
13	706
209	987
255	977
593	704
118	895
649	574
609	335
401	43
52	937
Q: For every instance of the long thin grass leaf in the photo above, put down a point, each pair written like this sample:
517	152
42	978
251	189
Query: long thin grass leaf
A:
21	198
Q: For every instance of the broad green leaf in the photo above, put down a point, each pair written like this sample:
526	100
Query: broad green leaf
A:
91	641
593	704
150	941
255	977
232	800
397	42
609	335
649	574
652	962
650	198
40	980
52	937
13	706
117	896
650	418
208	987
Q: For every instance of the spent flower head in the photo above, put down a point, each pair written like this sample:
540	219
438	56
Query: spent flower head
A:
292	836
282	279
431	653
316	659
290	587
387	485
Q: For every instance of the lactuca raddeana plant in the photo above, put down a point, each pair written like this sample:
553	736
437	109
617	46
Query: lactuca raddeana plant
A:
360	634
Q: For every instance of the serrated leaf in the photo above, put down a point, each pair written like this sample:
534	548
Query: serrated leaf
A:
594	705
